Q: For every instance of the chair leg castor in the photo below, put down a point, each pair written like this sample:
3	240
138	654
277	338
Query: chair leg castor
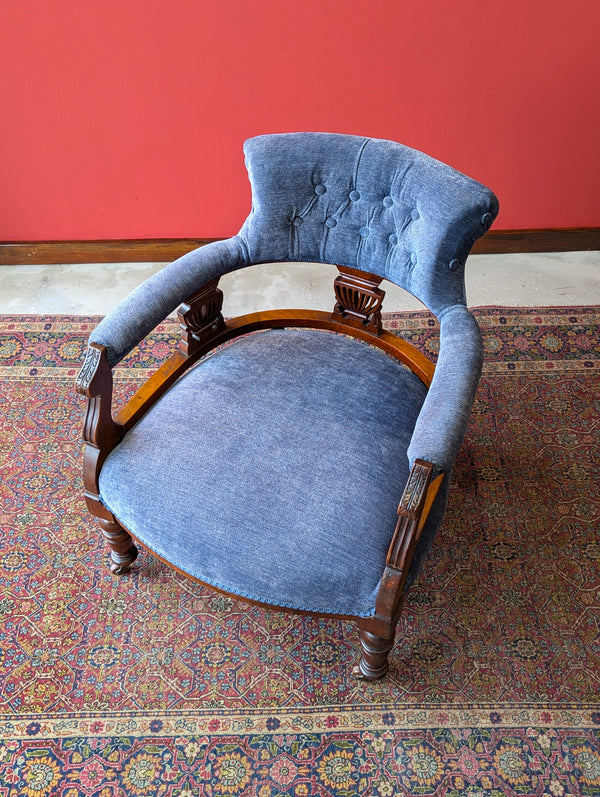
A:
123	551
120	568
374	661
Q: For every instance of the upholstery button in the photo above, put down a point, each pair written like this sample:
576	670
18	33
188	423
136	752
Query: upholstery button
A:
486	219
454	265
331	222
354	196
388	201
414	214
413	258
364	232
297	221
393	239
320	189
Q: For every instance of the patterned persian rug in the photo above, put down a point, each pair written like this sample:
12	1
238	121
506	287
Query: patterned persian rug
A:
153	685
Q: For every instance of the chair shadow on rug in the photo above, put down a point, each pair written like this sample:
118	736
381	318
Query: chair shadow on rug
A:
304	466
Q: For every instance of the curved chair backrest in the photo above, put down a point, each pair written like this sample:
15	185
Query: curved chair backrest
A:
364	203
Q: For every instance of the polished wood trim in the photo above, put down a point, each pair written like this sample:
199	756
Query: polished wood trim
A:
178	363
163	250
415	504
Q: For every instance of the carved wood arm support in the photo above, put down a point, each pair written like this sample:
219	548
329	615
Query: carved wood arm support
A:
100	431
410	514
95	381
200	320
200	317
414	507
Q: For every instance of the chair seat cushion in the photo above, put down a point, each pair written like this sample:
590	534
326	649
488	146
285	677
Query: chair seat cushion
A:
273	469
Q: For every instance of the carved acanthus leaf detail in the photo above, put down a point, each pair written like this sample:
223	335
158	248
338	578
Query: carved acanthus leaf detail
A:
88	370
409	513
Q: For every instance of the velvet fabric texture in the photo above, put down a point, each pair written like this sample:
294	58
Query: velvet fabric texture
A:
372	205
274	470
249	474
325	197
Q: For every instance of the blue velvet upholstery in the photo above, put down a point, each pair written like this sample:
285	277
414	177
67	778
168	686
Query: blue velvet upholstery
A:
324	197
274	469
273	492
373	205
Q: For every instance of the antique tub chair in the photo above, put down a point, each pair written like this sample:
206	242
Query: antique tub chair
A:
304	466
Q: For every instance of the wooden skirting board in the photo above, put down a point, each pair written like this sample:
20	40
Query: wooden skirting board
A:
160	250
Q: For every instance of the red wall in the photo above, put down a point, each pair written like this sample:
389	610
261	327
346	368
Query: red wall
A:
125	118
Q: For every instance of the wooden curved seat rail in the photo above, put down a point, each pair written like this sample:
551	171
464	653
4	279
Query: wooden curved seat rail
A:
357	313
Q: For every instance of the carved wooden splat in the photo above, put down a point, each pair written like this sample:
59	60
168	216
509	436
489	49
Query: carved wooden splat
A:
200	316
359	299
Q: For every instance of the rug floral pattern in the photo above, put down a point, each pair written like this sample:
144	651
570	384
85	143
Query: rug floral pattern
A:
153	685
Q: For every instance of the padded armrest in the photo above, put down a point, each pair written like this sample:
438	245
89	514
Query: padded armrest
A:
151	302
443	419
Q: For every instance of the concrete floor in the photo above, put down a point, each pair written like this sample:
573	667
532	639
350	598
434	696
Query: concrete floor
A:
528	280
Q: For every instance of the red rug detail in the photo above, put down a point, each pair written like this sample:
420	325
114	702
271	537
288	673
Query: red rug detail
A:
152	684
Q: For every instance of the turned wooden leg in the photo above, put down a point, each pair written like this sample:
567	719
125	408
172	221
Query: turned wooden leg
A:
123	551
374	661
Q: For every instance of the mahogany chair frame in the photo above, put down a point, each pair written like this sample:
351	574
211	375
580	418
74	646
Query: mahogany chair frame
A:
357	313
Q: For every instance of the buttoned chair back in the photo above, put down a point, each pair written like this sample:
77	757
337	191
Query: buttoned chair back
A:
368	204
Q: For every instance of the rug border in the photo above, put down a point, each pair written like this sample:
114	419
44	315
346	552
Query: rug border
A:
316	720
